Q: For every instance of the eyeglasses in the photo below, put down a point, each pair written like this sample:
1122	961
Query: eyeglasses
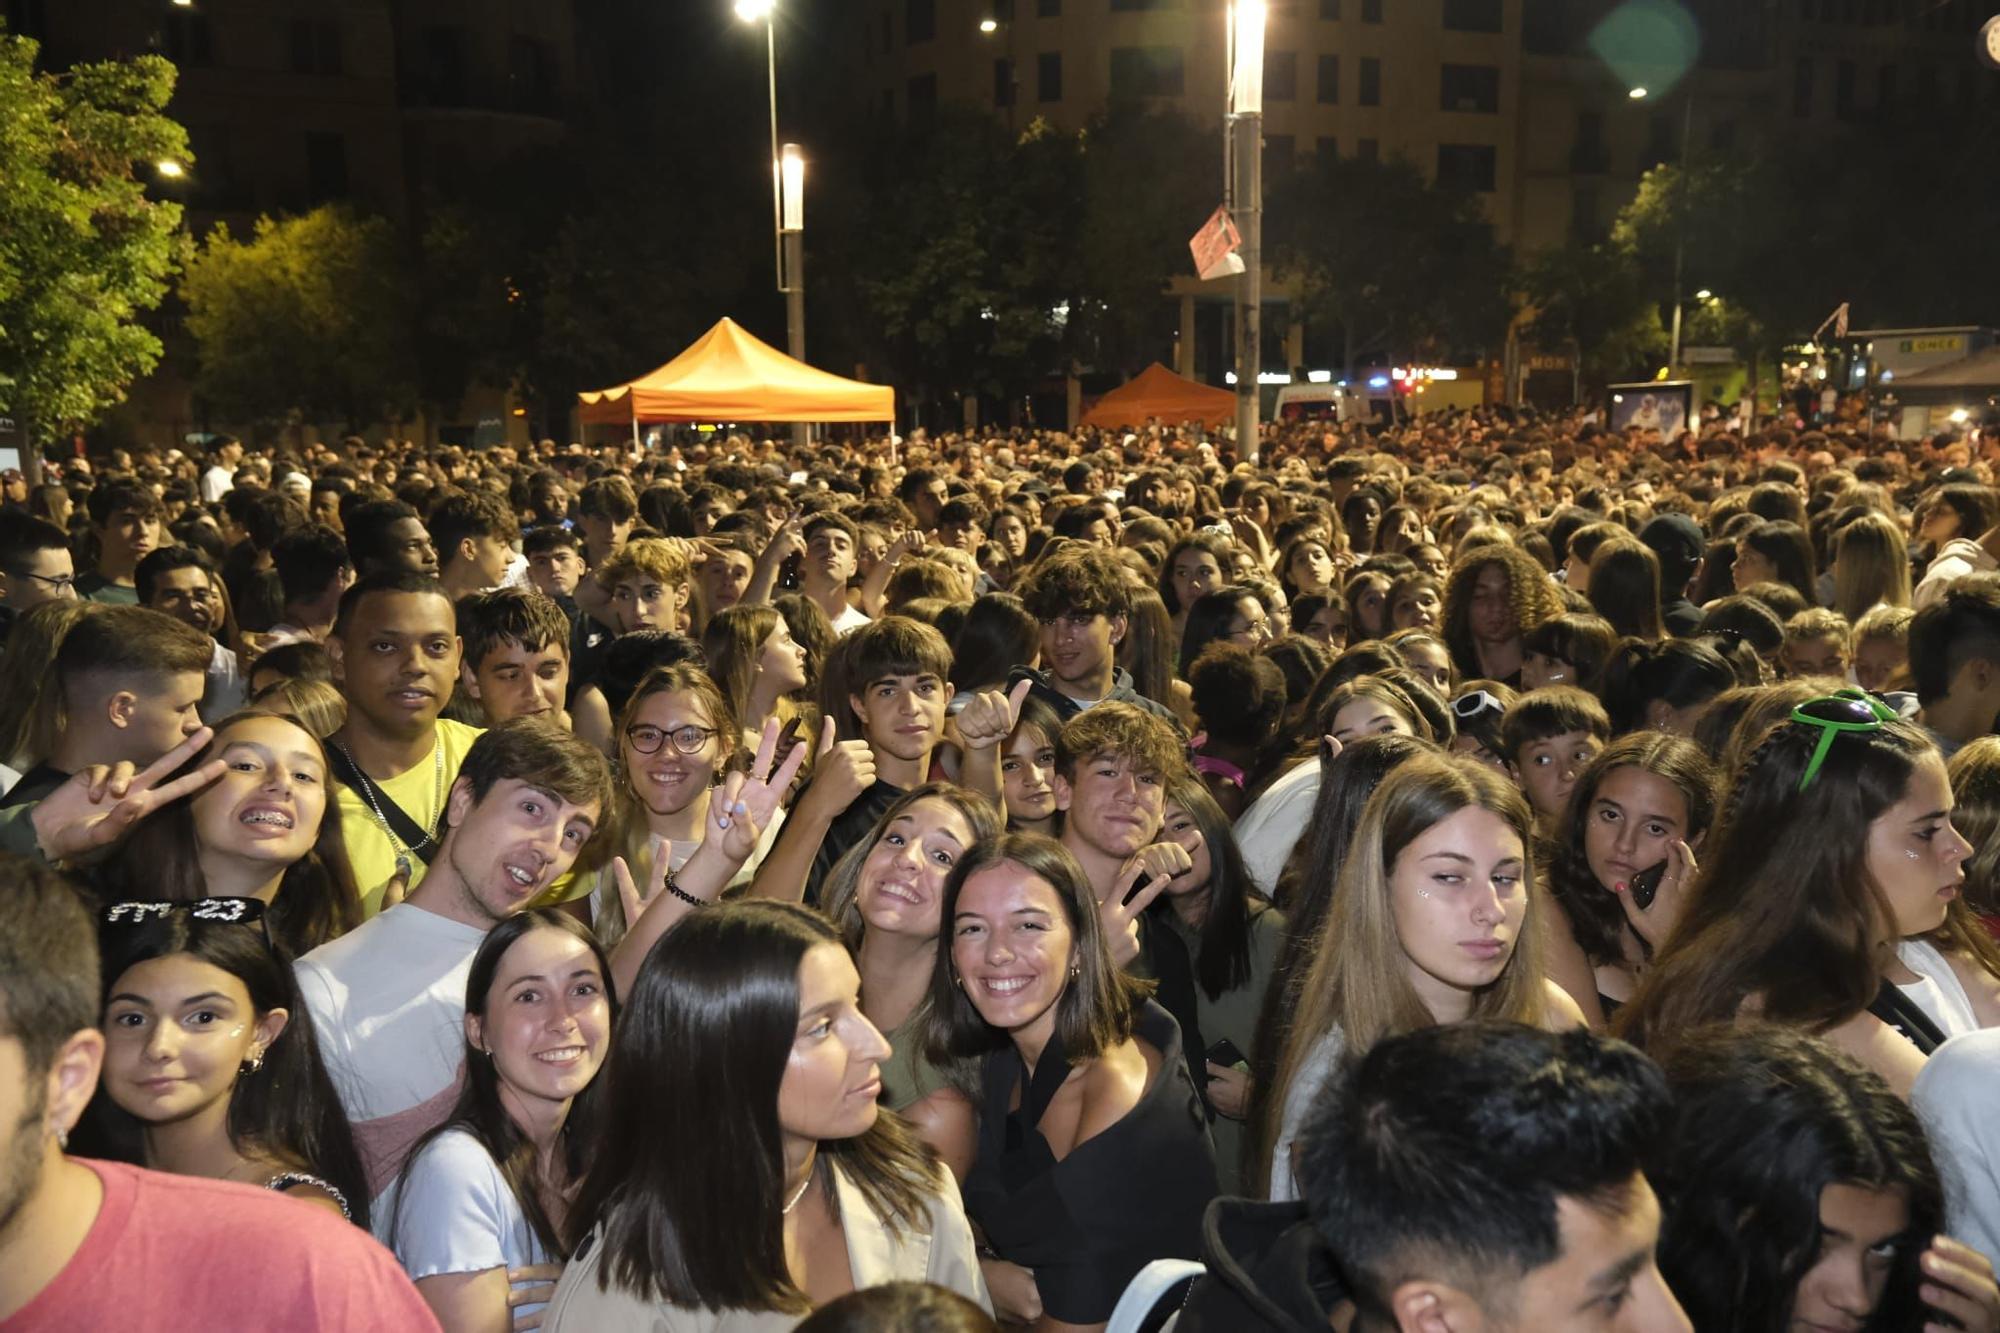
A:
1835	715
1255	629
688	739
1468	706
61	583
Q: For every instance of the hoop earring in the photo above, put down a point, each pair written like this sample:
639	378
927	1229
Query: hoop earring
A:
254	1063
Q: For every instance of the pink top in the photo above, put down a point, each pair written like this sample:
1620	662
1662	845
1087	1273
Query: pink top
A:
170	1253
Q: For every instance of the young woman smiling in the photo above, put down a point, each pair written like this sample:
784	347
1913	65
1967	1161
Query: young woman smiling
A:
676	737
262	830
481	1201
210	1064
1075	1056
1434	921
886	895
798	1188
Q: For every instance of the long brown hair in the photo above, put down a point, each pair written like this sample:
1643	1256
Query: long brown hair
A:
1359	982
733	642
1783	908
317	899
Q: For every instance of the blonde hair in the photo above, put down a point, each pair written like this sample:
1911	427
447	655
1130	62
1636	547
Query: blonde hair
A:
1871	566
317	704
1359	983
655	556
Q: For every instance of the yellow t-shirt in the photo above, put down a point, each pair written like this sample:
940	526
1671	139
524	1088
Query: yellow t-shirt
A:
369	848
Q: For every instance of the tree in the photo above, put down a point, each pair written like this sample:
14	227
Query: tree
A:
1400	265
1594	296
84	254
312	313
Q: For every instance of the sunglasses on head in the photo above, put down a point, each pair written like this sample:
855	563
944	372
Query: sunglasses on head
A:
1835	715
208	911
1468	706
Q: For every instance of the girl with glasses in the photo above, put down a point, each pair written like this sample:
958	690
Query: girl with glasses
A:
677	737
210	1063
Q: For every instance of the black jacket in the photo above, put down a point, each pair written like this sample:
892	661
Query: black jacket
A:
1268	1269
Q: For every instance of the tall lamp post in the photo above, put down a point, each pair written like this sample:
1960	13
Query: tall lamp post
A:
788	209
1680	221
1244	158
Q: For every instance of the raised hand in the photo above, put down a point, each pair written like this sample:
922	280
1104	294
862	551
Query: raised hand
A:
630	898
1958	1284
1133	894
1657	920
100	804
989	718
845	769
739	811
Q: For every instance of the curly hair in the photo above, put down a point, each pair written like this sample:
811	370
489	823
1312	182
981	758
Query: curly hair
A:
1531	597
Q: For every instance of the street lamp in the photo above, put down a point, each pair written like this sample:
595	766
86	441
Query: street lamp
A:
989	26
1704	295
791	276
169	169
1680	220
1244	145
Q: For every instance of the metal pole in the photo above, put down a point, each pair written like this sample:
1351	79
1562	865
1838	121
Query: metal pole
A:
1249	193
1680	225
795	312
777	220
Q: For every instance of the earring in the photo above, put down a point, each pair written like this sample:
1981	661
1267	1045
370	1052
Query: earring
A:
62	1138
254	1063
1075	971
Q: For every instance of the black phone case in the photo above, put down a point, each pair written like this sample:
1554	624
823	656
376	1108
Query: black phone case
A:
1646	885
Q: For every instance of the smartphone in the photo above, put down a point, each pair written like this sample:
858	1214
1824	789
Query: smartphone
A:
1224	1053
1646	884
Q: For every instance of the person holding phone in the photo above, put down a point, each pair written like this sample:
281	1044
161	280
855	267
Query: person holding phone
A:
1075	1057
1624	852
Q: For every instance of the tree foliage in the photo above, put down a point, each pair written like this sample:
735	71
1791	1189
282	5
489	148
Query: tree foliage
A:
313	313
1402	266
1594	296
84	254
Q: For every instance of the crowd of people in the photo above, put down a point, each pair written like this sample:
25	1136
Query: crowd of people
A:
1483	873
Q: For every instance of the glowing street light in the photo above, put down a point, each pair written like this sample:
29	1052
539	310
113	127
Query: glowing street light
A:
788	177
1704	295
989	26
1637	94
170	169
754	11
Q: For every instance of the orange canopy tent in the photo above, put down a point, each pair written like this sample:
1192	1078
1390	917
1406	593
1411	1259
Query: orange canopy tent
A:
1157	392
728	375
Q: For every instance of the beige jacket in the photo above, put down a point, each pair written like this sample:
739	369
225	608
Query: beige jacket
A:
876	1253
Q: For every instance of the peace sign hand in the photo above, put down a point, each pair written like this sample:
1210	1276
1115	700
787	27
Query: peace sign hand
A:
740	810
100	804
1135	891
630	898
989	718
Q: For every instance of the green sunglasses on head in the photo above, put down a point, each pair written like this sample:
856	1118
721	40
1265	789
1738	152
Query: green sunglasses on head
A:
1835	714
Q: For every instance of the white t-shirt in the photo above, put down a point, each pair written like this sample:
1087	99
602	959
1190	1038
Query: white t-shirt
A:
848	619
1275	822
1954	1097
217	482
1939	993
1307	1083
388	1000
454	1213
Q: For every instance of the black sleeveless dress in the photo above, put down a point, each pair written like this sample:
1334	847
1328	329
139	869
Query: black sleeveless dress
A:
1087	1224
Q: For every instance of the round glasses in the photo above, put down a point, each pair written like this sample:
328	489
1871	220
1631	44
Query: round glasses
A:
688	739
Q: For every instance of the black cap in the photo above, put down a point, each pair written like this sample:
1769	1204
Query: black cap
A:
1678	541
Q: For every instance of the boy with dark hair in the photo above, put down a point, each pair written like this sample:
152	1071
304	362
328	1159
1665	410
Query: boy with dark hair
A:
323	502
883	693
181	582
387	537
1955	661
129	681
831	545
555	562
1083	599
606	509
396	654
1487	1176
313	571
474	533
35	567
388	999
125	515
1548	737
106	1245
516	659
923	492
725	575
